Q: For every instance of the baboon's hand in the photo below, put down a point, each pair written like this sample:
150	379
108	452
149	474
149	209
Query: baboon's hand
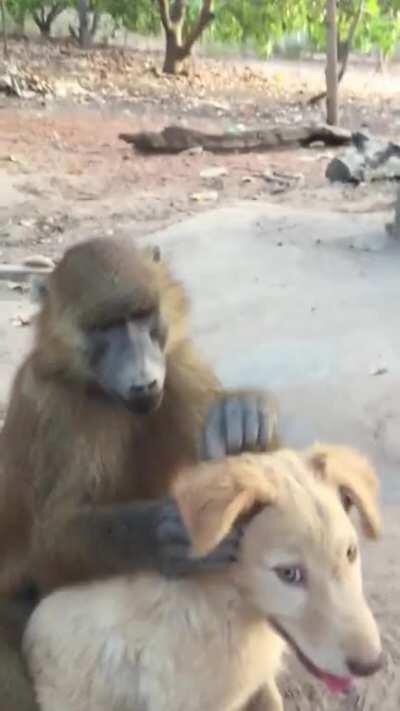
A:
239	423
175	556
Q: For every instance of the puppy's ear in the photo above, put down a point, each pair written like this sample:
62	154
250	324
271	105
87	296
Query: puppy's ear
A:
214	495
355	479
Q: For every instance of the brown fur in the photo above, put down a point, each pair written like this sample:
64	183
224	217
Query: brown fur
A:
62	451
78	450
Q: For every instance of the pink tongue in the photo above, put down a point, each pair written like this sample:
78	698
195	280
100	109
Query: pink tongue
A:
337	684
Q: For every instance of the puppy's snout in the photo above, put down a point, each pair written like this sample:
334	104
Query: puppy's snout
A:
362	668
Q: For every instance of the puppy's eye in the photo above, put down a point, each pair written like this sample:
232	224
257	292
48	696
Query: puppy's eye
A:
351	553
291	575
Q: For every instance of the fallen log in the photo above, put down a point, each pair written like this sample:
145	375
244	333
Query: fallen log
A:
20	272
175	139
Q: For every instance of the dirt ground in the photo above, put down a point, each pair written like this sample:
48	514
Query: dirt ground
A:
65	175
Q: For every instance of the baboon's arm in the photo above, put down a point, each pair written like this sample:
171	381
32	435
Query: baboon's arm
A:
93	543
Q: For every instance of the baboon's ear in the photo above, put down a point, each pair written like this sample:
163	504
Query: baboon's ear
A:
153	253
214	495
355	479
38	288
156	253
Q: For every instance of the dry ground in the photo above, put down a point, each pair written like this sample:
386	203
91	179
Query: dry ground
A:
65	175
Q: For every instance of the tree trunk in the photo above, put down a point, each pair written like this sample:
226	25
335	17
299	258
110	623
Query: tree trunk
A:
45	29
173	60
84	37
4	29
95	24
178	49
381	61
344	49
331	64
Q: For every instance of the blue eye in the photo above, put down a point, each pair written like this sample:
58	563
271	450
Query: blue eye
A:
291	574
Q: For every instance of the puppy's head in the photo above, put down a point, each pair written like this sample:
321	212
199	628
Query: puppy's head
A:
299	564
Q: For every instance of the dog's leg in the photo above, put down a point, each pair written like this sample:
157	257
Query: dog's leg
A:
268	698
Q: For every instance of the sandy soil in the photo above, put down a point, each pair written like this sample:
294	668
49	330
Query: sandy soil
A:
65	175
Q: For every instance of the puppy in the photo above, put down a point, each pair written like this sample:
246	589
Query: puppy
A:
143	643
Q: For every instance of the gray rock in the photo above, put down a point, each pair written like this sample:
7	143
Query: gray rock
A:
213	172
368	159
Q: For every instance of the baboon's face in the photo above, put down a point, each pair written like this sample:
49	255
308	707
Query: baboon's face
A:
127	360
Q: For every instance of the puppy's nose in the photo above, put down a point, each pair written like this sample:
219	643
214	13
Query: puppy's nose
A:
359	668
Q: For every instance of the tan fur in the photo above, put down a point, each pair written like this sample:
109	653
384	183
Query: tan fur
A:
341	466
214	496
144	643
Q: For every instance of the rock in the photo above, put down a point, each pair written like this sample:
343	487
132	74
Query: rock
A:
316	144
194	151
207	196
213	172
368	159
17	286
25	318
38	260
380	370
26	223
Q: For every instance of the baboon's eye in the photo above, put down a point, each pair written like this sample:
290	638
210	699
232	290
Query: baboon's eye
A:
351	553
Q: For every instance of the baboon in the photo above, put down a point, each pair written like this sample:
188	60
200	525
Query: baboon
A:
111	402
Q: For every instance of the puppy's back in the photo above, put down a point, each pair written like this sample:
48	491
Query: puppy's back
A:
125	643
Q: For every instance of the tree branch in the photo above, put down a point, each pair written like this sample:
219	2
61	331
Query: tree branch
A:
345	60
178	11
36	19
205	18
56	10
164	14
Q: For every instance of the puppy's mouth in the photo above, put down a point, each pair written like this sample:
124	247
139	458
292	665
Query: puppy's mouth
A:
335	684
